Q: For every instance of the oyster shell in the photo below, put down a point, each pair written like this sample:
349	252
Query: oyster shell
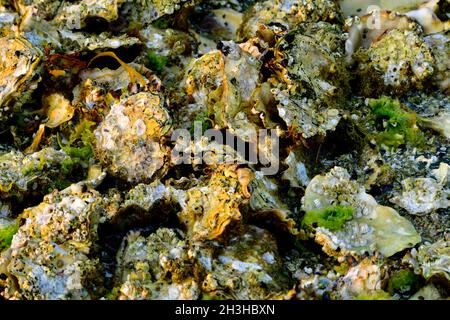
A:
21	174
296	174
422	195
7	19
74	15
363	279
180	214
433	260
248	267
19	73
317	78
288	13
366	230
206	210
397	60
423	11
163	266
128	141
50	256
440	46
222	82
160	267
45	9
77	41
147	11
266	200
429	292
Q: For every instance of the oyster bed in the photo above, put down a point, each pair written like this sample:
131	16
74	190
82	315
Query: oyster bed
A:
347	199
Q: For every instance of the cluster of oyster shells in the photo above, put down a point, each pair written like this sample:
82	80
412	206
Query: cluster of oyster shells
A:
95	202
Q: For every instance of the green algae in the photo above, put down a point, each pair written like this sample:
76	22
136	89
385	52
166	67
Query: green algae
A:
332	218
6	235
398	125
156	62
113	294
79	147
203	120
403	281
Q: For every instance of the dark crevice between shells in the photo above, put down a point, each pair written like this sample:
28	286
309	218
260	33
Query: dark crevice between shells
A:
133	218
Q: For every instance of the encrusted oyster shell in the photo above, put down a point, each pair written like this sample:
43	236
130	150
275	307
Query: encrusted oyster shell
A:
20	173
128	141
160	267
317	79
288	13
422	195
206	210
432	260
367	231
19	73
398	62
51	255
248	267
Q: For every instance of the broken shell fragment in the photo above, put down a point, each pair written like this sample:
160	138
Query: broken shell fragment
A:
422	195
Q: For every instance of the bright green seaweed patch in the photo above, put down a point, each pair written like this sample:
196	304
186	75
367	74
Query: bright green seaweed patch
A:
332	218
80	141
156	62
83	132
403	281
6	235
79	147
32	167
399	126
